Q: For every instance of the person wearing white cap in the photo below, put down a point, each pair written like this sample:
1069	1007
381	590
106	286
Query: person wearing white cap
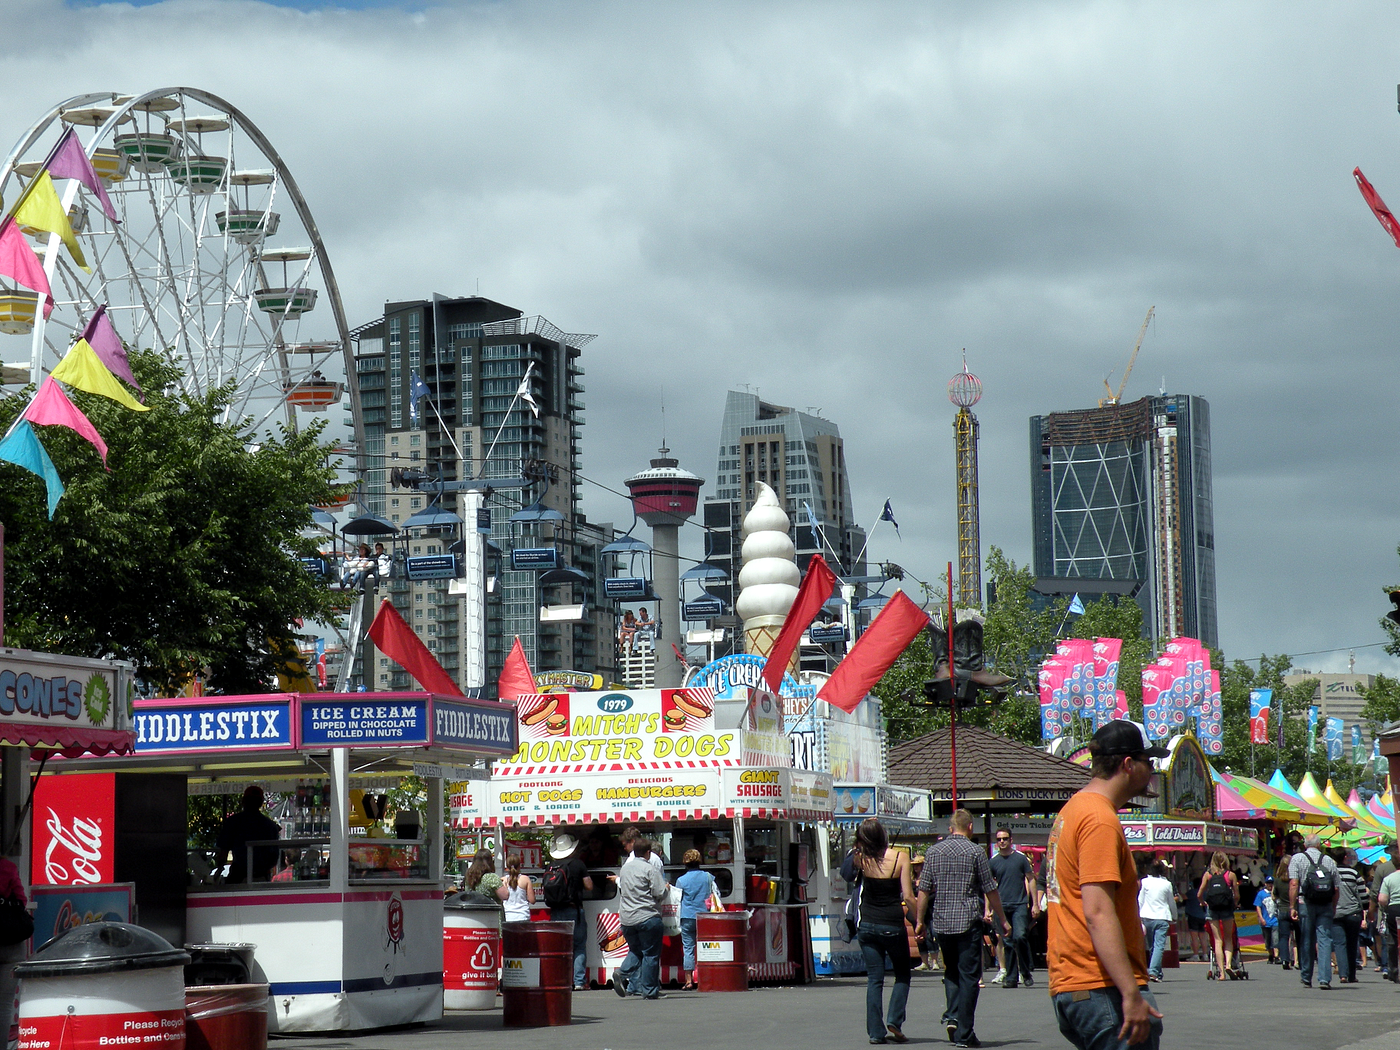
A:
1097	958
563	886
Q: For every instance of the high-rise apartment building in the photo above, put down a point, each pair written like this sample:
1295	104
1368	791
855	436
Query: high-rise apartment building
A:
1123	492
802	458
473	355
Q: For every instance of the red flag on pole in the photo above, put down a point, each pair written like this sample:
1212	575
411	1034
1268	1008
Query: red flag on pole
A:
396	640
516	678
811	596
1382	213
888	635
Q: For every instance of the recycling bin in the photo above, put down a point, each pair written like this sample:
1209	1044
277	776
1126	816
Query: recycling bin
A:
106	984
219	964
471	951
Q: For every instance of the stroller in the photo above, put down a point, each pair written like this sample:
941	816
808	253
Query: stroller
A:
1234	969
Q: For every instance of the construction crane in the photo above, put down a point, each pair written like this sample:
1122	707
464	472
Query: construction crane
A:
1113	398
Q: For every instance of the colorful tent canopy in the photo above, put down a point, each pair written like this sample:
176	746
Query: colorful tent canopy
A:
1311	793
1230	805
1277	805
1364	820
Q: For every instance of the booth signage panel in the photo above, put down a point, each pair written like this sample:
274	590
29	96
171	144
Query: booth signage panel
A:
206	724
1135	831
467	803
363	724
855	800
576	732
483	726
1173	833
431	567
811	792
902	802
74	830
58	909
601	795
572	680
47	689
731	677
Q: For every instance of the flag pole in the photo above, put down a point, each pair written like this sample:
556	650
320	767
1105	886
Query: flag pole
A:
952	700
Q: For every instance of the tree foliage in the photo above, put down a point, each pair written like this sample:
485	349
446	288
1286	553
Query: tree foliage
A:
183	556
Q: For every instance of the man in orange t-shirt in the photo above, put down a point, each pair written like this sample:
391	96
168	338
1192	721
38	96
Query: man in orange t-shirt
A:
1097	960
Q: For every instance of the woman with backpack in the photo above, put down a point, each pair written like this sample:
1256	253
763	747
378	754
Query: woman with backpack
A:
1220	893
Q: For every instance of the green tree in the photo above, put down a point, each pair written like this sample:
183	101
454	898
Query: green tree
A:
182	556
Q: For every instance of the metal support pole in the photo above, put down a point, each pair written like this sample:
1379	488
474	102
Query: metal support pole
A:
953	700
340	829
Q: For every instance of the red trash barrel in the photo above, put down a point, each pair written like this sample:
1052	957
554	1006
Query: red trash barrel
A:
471	952
537	974
722	951
102	985
226	1017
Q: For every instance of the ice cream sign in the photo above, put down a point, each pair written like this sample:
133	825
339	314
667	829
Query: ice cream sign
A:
614	729
44	688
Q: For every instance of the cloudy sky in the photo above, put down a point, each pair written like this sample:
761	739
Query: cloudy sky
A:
827	202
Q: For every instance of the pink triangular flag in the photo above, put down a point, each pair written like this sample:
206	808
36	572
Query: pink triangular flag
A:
107	345
18	261
70	162
51	407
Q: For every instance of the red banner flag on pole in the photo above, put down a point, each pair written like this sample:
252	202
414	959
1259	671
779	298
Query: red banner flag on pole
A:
516	677
396	640
888	635
1382	213
811	596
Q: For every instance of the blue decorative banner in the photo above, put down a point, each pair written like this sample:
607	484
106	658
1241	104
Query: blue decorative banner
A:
212	724
392	723
474	727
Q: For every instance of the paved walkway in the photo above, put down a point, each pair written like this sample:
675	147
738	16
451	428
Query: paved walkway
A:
1271	1011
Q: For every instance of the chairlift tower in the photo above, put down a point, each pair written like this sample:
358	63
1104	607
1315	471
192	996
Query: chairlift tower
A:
965	390
664	497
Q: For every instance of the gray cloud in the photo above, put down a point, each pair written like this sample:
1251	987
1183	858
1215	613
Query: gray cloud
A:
830	201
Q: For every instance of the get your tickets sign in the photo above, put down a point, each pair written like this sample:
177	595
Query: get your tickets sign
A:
618	730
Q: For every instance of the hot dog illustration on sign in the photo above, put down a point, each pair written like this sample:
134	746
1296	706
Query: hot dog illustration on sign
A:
542	717
683	711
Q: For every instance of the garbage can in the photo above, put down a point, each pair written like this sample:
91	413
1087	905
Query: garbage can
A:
537	974
226	1017
219	964
102	985
471	951
722	951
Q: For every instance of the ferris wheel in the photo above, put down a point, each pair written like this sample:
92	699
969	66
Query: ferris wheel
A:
215	257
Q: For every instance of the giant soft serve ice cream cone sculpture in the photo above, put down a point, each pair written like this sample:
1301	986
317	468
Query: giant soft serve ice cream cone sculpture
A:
769	579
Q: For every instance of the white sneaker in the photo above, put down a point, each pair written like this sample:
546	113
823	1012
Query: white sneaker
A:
1001	976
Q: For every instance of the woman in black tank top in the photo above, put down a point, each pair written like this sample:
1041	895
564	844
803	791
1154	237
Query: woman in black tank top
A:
886	896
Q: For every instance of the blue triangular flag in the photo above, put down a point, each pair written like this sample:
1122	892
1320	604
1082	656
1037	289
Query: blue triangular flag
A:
1076	606
888	515
21	447
811	518
417	390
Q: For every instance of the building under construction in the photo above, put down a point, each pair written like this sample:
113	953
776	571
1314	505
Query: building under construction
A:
1123	493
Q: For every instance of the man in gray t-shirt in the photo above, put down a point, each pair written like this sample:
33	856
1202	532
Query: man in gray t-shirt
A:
1314	917
640	890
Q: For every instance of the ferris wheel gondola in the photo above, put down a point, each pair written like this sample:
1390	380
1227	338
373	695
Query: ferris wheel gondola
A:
190	265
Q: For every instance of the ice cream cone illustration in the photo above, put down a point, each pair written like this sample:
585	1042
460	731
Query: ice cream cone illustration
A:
769	579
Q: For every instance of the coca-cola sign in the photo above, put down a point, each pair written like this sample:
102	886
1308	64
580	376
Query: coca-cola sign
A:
73	830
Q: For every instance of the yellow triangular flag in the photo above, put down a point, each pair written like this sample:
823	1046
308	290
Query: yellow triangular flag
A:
42	210
81	368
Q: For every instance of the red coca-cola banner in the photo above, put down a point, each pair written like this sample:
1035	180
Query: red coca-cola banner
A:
74	827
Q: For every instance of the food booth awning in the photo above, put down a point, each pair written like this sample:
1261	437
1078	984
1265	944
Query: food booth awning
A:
353	938
68	705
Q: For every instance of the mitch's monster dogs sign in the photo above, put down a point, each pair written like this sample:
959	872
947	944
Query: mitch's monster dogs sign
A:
587	730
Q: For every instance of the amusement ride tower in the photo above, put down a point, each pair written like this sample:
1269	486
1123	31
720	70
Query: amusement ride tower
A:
663	497
965	390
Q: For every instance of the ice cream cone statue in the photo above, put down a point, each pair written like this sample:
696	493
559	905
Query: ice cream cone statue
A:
768	581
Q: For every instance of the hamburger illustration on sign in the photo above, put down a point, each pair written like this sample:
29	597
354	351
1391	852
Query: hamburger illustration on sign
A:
683	711
544	716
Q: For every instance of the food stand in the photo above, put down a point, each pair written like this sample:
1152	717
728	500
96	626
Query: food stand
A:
592	763
348	933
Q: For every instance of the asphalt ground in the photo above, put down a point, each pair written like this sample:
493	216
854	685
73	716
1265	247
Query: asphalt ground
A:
1270	1011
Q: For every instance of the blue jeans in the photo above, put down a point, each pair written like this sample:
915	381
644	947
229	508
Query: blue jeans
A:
1092	1021
1155	933
575	915
876	941
642	967
962	970
688	947
1018	944
1315	941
